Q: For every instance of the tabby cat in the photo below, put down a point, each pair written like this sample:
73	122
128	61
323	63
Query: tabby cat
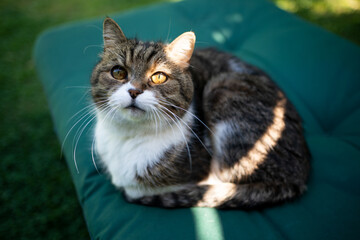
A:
182	128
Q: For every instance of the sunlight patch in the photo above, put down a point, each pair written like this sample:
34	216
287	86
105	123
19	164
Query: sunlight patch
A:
207	223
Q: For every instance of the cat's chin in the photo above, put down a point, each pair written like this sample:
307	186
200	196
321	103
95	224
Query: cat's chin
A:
134	112
131	114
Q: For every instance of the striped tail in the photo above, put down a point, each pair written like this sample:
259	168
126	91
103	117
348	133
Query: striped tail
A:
225	195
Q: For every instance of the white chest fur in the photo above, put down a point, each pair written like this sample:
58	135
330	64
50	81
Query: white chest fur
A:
125	156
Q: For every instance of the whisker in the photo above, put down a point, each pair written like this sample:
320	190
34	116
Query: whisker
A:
78	134
77	122
165	102
153	116
88	90
182	133
90	46
85	117
92	154
168	34
159	114
96	27
94	139
86	93
85	108
193	132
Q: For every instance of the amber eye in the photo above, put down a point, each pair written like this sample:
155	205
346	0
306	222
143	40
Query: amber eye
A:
118	73
158	78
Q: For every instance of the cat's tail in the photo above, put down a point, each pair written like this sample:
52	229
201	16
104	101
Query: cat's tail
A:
226	195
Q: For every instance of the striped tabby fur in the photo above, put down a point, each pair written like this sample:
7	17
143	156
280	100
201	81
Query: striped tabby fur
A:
217	133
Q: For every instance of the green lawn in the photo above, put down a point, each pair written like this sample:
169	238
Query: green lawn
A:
37	197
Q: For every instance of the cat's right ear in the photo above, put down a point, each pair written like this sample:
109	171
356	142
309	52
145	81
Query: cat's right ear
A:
112	33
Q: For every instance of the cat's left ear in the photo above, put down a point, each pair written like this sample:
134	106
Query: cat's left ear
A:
112	33
180	50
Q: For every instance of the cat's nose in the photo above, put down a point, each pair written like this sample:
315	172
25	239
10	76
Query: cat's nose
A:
135	92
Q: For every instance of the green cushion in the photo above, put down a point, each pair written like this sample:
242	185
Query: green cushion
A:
318	71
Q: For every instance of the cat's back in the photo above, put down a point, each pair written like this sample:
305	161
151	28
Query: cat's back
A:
255	125
211	61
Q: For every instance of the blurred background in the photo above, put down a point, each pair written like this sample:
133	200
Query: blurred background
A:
37	197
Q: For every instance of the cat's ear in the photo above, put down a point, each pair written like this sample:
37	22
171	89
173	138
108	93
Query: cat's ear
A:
180	50
112	33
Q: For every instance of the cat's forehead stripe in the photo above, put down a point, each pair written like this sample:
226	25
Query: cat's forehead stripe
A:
150	52
128	57
139	48
140	53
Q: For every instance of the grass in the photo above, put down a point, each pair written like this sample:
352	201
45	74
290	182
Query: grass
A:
37	196
341	17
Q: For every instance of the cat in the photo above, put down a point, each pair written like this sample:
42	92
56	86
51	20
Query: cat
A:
178	127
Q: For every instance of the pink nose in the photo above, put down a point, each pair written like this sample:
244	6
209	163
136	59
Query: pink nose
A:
134	92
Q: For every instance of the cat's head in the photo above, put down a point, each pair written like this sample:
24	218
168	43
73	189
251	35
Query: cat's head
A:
142	81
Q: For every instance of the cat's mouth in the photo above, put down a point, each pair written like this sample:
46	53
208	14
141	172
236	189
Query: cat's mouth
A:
134	108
